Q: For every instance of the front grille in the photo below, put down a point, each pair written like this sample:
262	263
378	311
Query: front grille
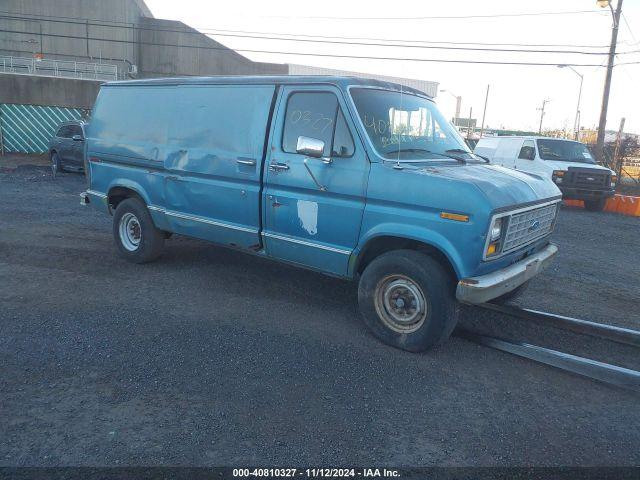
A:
528	226
586	178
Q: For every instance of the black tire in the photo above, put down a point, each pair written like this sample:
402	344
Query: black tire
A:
132	216
431	280
595	205
56	164
512	295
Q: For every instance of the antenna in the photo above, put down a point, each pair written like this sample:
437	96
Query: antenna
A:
397	166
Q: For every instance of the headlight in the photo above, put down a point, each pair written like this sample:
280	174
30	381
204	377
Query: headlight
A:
496	230
495	235
557	176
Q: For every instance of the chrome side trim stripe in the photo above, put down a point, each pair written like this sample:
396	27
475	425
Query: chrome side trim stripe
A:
308	244
201	219
245	229
96	194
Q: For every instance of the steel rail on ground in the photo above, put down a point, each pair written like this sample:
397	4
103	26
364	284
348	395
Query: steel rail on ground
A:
586	367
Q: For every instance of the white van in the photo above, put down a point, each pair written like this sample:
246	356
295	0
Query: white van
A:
568	163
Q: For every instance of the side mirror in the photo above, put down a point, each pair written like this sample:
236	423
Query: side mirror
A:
77	138
311	147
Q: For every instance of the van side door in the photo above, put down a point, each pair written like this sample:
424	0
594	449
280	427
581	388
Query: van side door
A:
526	160
214	161
507	151
313	206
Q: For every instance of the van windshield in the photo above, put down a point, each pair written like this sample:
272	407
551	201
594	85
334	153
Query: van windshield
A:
564	151
406	127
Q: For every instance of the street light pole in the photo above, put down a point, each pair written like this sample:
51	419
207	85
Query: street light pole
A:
458	102
607	81
576	122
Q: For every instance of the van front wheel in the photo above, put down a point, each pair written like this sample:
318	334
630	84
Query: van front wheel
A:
137	238
407	299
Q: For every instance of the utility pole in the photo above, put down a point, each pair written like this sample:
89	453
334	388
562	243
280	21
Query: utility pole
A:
607	80
484	112
544	103
469	122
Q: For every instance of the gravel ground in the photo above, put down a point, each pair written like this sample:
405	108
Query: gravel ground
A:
213	357
597	272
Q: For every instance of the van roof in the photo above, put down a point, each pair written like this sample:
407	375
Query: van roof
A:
339	81
527	137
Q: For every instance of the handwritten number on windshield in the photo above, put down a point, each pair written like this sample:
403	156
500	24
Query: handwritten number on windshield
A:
378	126
316	121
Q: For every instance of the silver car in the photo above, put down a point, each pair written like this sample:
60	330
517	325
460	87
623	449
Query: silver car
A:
66	148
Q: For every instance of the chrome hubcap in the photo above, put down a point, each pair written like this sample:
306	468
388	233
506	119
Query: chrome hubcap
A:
130	232
400	303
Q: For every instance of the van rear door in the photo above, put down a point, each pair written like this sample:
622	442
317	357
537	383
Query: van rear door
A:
212	186
312	208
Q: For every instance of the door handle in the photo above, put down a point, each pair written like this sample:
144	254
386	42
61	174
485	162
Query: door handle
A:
246	161
278	166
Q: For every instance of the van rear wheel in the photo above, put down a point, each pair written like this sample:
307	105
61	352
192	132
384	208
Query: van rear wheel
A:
137	238
407	300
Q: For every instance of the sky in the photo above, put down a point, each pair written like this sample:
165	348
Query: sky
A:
516	91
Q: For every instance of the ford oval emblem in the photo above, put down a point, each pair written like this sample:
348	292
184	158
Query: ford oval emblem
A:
535	225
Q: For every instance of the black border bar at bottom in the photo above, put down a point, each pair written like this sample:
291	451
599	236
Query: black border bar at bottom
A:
224	473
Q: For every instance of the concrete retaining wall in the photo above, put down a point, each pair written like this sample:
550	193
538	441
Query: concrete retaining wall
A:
51	91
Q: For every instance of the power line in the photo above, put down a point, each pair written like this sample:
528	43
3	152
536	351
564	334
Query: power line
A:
304	54
636	42
272	36
451	17
434	47
372	43
435	17
215	32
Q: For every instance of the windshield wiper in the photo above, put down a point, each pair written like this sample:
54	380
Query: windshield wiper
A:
456	150
461	150
400	150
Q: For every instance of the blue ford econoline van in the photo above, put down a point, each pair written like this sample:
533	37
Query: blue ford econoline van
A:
352	177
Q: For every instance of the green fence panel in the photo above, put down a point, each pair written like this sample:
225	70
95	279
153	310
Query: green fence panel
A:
28	128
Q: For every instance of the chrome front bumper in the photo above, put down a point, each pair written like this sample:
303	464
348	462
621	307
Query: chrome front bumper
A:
492	285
